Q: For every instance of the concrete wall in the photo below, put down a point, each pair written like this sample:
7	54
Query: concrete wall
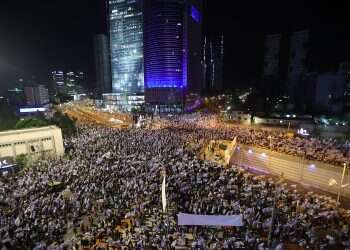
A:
313	173
32	141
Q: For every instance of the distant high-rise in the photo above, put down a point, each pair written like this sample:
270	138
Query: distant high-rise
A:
102	64
68	82
219	64
329	93
58	78
272	55
344	68
297	54
213	63
126	45
36	95
194	37
297	61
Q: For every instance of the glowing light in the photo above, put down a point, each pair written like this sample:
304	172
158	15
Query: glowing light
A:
195	14
31	110
312	167
250	151
302	131
263	155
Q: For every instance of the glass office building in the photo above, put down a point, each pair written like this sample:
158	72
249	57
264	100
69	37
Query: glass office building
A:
165	52
126	46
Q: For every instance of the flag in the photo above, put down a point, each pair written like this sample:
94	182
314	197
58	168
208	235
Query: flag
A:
163	194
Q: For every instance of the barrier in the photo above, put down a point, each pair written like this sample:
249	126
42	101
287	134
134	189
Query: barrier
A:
297	169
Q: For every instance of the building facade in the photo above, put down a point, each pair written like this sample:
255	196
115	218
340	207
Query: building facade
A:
68	83
36	95
213	64
102	64
126	45
297	60
33	142
329	93
194	37
58	78
155	49
166	52
272	55
344	69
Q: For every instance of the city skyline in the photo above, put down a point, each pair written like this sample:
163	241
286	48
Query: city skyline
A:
37	47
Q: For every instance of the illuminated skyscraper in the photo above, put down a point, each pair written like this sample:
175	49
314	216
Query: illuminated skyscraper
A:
172	56
126	46
156	49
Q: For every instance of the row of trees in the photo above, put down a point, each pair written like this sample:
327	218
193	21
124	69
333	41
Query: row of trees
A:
59	119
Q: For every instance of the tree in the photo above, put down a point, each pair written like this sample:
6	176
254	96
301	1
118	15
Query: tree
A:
21	160
30	123
64	122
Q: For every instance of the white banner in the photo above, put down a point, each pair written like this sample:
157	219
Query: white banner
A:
210	220
163	194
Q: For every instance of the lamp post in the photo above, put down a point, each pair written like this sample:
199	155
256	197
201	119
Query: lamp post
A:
333	182
341	186
270	137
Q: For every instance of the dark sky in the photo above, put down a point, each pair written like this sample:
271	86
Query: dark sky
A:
38	36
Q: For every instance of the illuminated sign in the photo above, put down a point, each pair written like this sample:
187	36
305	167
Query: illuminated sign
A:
31	110
195	14
6	162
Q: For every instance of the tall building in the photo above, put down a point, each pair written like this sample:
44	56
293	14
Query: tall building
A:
68	83
102	64
213	63
218	64
36	95
166	52
58	78
126	46
297	60
344	69
329	93
15	96
194	37
155	49
272	55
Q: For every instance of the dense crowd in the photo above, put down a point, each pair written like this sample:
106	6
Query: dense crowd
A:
110	175
329	150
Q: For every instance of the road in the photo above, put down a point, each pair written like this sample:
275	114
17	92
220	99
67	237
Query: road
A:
86	114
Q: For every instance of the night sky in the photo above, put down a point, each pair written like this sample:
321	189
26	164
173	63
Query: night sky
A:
38	36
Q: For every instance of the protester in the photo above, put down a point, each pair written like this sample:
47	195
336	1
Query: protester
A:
111	193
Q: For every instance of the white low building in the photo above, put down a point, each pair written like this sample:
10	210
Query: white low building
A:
33	141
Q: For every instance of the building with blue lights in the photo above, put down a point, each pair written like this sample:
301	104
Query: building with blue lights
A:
126	46
155	49
171	68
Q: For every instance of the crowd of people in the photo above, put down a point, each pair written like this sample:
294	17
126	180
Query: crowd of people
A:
112	175
329	150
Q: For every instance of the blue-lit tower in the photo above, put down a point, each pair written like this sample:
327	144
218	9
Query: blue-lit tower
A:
167	52
126	46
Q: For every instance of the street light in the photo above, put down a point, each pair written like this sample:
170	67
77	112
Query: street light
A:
333	182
